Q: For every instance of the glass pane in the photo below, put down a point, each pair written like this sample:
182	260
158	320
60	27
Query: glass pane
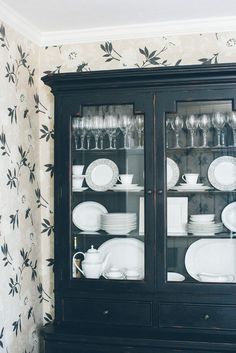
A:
201	192
107	197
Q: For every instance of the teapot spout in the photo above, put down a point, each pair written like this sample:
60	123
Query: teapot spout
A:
105	262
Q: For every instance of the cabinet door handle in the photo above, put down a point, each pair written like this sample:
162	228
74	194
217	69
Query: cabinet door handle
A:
159	192
105	312
149	192
206	317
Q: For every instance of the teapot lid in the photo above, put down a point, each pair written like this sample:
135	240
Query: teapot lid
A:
92	250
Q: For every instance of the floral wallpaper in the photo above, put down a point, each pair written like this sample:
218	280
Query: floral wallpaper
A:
27	165
21	288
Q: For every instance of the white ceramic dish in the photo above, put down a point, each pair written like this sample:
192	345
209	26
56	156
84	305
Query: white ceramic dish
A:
184	189
177	215
202	217
214	277
125	186
189	185
222	173
87	215
211	256
79	189
172	173
228	216
102	174
175	277
124	253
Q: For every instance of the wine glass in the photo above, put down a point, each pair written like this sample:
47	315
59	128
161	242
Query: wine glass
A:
111	125
177	125
124	123
204	125
97	126
231	120
139	125
192	125
168	129
218	122
75	130
88	127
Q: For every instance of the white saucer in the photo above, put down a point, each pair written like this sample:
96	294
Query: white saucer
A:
125	186
191	185
79	189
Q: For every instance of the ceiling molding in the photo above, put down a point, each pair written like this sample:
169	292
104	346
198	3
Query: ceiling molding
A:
215	25
19	23
152	30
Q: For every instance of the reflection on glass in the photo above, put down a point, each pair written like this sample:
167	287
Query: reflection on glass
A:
177	125
201	209
107	201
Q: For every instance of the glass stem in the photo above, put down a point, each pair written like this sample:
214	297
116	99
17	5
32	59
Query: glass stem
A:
82	142
125	140
218	137
76	142
223	137
110	142
140	139
204	138
234	137
101	142
96	141
192	138
177	140
88	142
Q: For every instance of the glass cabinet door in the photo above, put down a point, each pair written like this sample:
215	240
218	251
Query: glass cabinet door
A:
107	193
201	192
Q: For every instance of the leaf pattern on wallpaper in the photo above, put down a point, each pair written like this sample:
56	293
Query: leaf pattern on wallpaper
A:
110	52
57	70
212	60
17	325
12	114
46	133
4	145
47	227
43	296
83	67
7	258
3	37
49	169
1	337
40	200
40	108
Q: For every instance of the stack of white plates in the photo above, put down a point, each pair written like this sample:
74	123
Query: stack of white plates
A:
204	225
118	223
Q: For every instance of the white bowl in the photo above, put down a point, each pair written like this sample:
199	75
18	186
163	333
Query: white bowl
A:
212	277
202	217
175	277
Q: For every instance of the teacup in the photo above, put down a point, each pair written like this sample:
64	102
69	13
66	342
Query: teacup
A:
190	178
113	273
132	273
77	181
77	170
126	178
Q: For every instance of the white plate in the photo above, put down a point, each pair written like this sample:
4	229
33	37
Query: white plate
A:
213	256
102	174
123	186
135	189
222	173
191	186
124	254
172	173
79	189
175	277
87	215
183	189
228	216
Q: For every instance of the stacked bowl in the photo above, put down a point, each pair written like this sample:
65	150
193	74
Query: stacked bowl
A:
77	177
204	225
118	223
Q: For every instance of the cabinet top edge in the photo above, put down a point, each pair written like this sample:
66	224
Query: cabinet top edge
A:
225	72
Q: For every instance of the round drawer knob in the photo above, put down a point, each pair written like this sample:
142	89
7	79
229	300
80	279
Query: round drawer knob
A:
105	312
206	317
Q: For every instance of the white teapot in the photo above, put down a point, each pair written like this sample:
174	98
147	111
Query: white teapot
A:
92	265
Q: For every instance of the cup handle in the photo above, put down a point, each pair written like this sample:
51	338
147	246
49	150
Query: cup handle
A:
74	262
119	179
183	177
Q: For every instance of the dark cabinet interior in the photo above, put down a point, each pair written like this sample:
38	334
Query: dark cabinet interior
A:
145	209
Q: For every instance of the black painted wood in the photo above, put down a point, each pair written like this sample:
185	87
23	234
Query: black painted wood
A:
140	316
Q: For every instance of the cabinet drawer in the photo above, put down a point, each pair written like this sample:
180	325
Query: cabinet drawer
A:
210	317
108	312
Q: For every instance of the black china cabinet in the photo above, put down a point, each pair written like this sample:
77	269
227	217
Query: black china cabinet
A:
145	211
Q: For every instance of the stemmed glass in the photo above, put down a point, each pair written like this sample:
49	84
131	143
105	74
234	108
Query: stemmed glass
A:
168	129
204	125
192	125
75	130
218	121
231	120
110	126
177	125
88	127
97	126
125	123
139	125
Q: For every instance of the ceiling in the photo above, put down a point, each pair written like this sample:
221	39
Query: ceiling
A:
51	16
